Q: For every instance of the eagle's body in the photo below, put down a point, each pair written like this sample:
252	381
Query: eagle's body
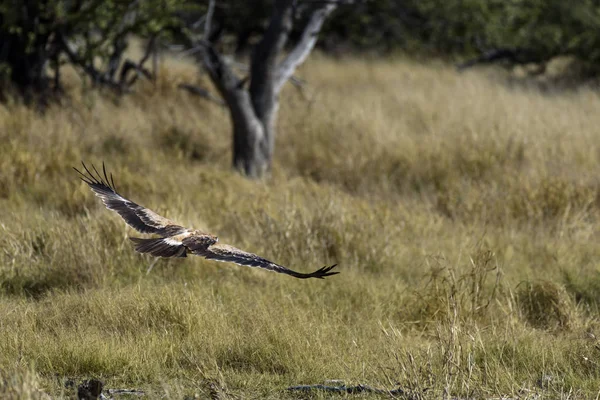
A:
174	240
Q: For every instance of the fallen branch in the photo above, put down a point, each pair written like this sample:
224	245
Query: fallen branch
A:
347	389
93	389
135	392
515	56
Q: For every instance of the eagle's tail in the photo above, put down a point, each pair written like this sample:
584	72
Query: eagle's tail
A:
159	247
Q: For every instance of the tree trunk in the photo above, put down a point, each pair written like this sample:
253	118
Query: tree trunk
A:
253	137
251	147
27	67
253	111
25	53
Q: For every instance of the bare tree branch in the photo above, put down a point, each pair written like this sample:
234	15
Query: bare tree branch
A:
294	80
208	19
106	78
120	43
129	65
299	84
219	70
201	92
274	39
90	70
139	70
303	48
149	49
119	46
188	52
264	58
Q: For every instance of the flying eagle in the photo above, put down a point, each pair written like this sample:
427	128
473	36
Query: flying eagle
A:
175	240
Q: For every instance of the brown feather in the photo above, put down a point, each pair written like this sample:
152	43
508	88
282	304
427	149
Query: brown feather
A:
140	218
158	247
226	253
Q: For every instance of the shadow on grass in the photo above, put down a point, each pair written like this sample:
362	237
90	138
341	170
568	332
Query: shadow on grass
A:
585	289
35	287
251	359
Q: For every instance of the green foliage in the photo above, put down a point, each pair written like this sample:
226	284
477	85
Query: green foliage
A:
540	29
531	31
37	32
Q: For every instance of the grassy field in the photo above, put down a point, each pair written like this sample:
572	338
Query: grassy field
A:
462	210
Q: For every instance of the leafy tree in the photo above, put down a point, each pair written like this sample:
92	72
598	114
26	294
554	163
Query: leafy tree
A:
38	36
512	32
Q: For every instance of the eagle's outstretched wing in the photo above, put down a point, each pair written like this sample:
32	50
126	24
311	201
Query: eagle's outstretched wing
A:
140	218
175	240
226	253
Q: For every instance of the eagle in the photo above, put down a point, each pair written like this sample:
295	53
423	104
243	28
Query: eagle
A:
175	240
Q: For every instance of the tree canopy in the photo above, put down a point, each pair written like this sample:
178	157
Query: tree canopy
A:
38	36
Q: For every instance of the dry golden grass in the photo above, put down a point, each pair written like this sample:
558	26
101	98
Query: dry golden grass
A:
462	211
